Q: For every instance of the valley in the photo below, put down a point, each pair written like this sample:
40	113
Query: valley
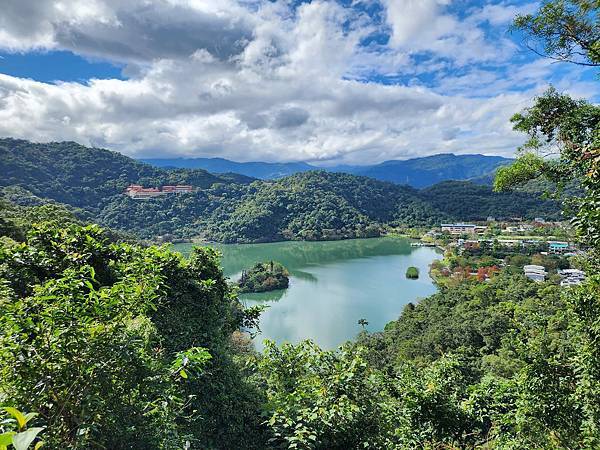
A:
299	225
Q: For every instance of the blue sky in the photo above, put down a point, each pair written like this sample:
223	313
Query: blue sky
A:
57	65
324	81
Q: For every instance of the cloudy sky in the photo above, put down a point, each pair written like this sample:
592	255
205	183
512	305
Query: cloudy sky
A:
322	81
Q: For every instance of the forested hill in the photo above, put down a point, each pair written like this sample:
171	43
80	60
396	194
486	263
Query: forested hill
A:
470	201
235	208
416	172
81	176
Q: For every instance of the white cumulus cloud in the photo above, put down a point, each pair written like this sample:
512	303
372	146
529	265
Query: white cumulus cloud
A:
258	80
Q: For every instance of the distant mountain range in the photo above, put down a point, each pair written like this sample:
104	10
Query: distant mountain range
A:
261	170
416	172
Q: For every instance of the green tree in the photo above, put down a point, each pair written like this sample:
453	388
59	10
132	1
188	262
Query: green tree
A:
412	272
112	343
563	145
335	400
564	30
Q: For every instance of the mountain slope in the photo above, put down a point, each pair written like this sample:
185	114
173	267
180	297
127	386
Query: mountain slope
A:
426	171
235	208
81	176
311	206
465	200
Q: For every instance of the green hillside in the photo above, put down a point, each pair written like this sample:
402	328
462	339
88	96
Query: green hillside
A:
312	205
428	170
468	201
82	176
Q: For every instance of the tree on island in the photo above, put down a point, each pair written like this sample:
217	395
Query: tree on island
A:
363	323
263	277
412	273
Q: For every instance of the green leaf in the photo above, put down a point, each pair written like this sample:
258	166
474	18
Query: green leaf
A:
23	440
6	439
183	374
18	415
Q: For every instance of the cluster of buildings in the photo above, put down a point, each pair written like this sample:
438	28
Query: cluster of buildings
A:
569	277
537	273
554	247
139	192
468	229
510	225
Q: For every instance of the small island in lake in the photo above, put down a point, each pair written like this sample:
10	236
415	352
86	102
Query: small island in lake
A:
412	273
264	277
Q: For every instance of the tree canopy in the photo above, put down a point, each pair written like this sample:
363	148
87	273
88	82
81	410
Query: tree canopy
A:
564	30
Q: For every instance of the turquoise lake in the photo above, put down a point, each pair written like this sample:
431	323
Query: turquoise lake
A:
332	285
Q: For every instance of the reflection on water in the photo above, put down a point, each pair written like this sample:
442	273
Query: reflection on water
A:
271	296
332	285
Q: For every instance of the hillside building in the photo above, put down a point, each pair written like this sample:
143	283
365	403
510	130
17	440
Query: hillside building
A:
558	248
139	192
535	273
178	189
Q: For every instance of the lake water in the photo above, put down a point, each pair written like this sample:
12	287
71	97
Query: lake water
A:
332	285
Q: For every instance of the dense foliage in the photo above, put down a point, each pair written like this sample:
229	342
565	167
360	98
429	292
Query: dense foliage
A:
16	220
81	176
480	321
564	30
263	277
466	201
317	206
504	363
16	430
112	364
412	272
119	346
92	339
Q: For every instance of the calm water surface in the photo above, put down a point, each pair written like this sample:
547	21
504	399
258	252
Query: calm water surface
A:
332	285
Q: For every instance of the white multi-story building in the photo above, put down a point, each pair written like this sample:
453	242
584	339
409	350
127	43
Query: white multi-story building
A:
178	189
459	228
535	273
139	192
